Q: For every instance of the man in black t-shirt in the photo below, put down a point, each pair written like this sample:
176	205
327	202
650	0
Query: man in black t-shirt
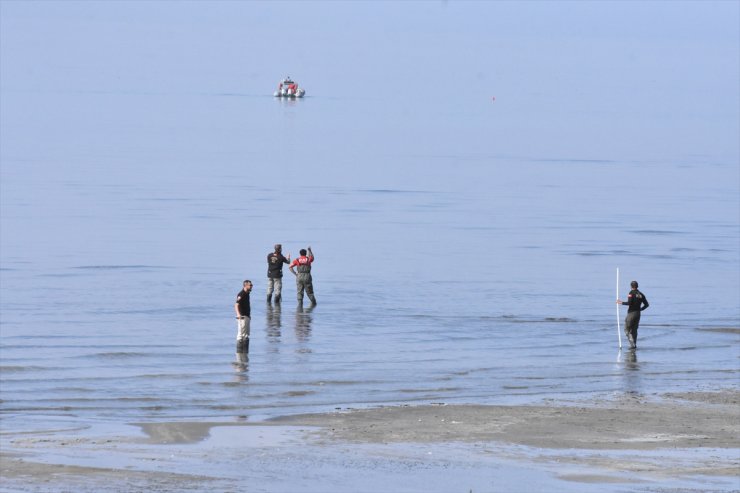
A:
275	261
637	302
243	314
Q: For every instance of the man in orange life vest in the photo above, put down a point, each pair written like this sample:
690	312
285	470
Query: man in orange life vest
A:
303	278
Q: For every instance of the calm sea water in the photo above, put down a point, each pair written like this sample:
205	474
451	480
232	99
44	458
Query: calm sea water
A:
466	248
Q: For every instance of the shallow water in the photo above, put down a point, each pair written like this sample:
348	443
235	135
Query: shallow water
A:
466	250
424	295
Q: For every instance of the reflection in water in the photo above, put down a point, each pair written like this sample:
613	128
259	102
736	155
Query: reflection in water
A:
273	323
241	367
631	372
630	360
303	323
288	102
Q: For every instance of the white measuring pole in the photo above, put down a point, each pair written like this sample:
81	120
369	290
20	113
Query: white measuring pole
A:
619	330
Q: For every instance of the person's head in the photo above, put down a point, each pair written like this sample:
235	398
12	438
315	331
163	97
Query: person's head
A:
247	285
633	284
303	251
278	248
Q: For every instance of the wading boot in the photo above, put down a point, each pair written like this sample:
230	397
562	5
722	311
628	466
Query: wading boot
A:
277	298
246	345
313	299
269	298
240	346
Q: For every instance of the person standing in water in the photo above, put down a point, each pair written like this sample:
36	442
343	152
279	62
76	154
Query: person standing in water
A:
304	281
243	313
637	302
275	261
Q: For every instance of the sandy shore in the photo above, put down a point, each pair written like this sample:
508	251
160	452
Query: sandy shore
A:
700	419
669	436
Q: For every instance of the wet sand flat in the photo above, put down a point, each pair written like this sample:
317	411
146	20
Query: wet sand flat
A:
630	423
680	435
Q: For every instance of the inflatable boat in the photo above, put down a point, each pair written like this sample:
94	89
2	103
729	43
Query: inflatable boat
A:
289	89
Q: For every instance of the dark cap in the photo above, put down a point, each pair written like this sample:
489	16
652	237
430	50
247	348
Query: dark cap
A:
633	284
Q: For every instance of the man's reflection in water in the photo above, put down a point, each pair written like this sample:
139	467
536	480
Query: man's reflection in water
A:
630	360
241	367
303	323
273	324
631	372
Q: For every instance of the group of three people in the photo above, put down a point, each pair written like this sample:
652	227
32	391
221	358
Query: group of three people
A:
275	261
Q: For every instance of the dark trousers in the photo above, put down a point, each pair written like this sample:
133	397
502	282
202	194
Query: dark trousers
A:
630	327
304	282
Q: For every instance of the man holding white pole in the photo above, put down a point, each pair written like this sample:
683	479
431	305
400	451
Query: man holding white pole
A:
637	302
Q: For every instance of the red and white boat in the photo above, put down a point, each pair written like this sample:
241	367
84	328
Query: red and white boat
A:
289	89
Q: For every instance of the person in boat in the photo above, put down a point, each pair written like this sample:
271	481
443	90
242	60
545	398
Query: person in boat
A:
637	302
304	281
